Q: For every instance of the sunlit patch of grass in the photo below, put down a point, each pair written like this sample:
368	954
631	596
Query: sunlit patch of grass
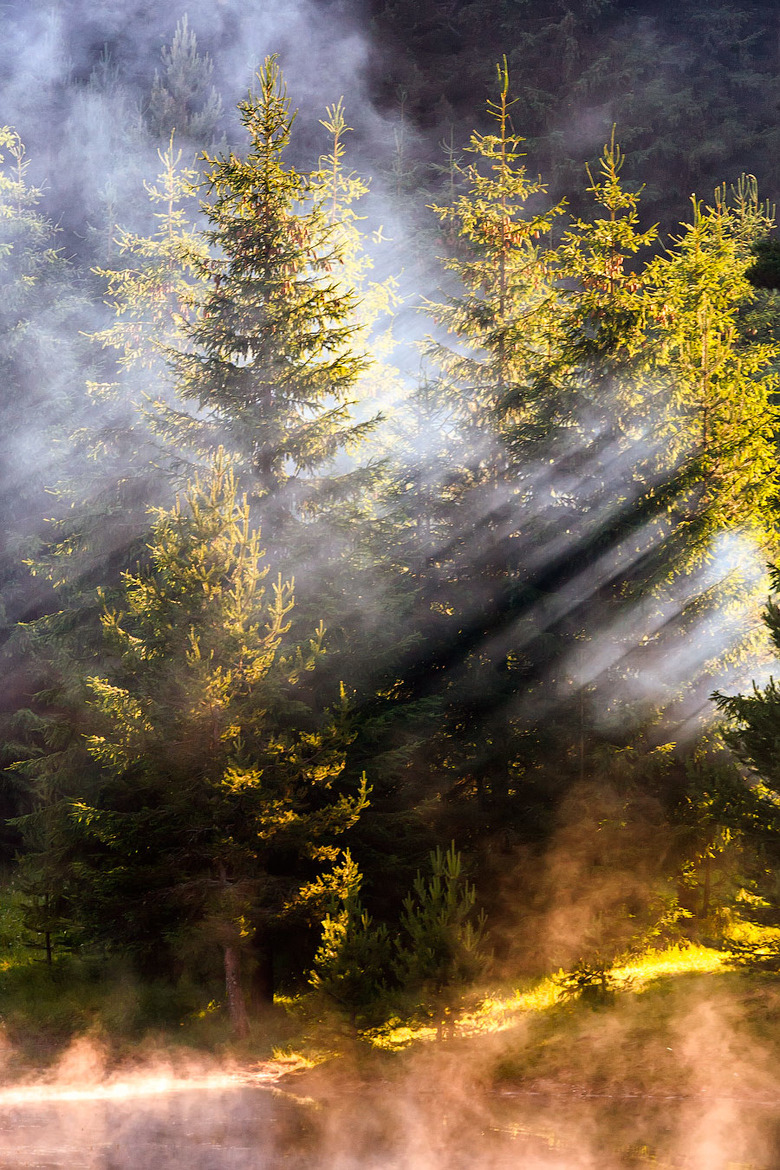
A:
498	1012
676	960
294	1059
491	1013
754	945
537	999
501	1010
285	1061
396	1035
659	1024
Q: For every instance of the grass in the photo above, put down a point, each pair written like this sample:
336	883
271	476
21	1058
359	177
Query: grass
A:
676	960
504	1008
44	1009
674	1023
684	1041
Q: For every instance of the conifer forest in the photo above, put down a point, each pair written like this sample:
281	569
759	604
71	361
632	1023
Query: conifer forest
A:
389	526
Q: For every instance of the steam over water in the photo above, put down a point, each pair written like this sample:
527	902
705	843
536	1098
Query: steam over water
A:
247	1127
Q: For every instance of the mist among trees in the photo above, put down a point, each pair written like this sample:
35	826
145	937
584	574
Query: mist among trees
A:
374	542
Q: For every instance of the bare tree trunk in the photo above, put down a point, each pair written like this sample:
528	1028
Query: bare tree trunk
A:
235	994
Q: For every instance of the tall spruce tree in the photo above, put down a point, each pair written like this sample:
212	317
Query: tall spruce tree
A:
709	433
501	328
597	369
720	414
600	343
209	800
502	320
272	365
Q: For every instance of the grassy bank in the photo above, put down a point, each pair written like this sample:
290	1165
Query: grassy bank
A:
657	1025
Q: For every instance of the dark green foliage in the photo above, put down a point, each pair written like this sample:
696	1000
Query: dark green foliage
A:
42	879
657	70
764	272
215	803
750	809
754	718
352	963
441	944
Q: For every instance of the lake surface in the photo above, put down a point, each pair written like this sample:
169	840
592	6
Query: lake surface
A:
416	1127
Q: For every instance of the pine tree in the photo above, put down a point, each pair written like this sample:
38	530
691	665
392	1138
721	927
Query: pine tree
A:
600	337
440	947
217	803
675	420
597	370
502	327
503	319
352	962
708	483
182	98
42	876
720	419
272	365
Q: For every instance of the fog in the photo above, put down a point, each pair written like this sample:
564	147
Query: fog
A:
700	1094
77	83
76	78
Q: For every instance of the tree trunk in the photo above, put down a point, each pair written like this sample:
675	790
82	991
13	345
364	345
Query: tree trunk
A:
235	995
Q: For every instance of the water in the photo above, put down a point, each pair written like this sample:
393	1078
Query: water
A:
411	1127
